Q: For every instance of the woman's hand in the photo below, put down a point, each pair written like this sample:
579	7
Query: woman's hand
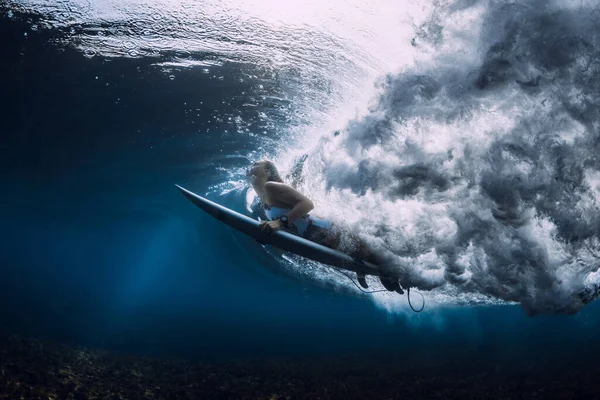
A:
269	227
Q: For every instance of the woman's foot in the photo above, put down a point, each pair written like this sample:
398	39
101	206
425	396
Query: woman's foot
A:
391	284
362	280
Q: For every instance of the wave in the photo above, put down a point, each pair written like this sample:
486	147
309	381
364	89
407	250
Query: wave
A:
476	171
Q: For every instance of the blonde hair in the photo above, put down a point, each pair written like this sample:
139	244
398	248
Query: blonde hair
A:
272	170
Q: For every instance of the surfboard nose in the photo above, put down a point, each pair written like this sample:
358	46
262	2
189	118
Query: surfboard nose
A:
185	192
205	204
190	195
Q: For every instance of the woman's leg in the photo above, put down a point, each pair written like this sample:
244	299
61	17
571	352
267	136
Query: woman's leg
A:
332	238
326	237
365	253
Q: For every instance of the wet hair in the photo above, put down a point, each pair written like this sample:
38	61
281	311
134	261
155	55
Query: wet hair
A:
273	173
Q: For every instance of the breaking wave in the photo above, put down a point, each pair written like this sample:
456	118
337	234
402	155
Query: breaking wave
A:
476	170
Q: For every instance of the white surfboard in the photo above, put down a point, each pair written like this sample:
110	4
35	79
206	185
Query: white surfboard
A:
281	239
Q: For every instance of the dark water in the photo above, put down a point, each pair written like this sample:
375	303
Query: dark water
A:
99	249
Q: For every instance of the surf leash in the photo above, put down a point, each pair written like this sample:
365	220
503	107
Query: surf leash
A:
410	304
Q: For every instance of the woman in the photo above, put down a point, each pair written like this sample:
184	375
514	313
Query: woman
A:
286	208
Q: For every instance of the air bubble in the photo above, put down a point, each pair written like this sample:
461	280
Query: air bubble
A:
10	14
89	53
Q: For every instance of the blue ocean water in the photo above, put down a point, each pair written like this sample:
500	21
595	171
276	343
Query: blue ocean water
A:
99	248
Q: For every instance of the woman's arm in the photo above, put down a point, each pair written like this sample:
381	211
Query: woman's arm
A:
301	204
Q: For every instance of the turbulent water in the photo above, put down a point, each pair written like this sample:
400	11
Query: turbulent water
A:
461	139
477	169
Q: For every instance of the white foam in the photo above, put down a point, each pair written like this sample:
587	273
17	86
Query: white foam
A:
469	187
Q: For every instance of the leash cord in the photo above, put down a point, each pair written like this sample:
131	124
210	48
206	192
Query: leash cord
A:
384	290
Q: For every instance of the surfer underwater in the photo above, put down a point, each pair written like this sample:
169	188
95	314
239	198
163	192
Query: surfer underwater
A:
286	208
